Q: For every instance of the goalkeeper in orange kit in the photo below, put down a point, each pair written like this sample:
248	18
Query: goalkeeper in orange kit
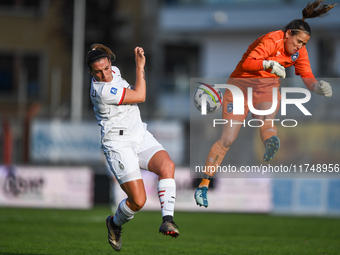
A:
263	64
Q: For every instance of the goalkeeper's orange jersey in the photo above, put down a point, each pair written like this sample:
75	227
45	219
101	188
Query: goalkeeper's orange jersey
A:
270	47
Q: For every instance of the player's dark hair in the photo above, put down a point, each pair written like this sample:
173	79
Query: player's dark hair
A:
97	52
312	10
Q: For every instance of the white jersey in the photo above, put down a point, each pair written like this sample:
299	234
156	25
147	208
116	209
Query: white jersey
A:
118	122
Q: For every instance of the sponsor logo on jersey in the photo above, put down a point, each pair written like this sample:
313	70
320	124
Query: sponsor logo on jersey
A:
113	90
230	107
295	56
278	53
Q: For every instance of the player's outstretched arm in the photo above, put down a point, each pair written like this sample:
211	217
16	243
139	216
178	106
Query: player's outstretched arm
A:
137	95
323	88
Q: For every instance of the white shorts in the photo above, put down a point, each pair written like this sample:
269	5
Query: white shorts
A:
126	158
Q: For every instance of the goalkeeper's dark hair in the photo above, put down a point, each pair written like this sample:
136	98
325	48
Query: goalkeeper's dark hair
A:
97	52
312	10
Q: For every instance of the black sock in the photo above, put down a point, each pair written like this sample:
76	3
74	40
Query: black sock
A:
112	223
168	218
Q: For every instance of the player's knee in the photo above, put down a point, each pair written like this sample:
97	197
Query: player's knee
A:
227	142
138	203
167	169
171	166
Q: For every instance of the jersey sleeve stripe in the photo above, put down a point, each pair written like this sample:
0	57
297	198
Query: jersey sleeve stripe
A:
123	95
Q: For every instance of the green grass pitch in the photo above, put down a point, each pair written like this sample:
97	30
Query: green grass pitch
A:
47	231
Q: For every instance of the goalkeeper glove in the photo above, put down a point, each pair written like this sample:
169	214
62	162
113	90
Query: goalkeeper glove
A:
323	88
277	69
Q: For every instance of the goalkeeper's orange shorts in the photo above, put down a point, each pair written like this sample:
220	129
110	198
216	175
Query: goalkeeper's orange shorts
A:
258	97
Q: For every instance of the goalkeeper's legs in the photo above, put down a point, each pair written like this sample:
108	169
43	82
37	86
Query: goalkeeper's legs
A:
268	131
268	134
214	159
272	146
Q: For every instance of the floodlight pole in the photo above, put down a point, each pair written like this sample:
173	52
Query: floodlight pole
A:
78	59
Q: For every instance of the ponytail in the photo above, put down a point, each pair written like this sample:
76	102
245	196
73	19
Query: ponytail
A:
312	10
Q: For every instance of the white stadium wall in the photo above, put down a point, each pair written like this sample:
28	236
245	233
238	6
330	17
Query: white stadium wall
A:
46	187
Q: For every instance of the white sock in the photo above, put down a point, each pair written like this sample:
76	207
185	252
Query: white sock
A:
123	214
167	196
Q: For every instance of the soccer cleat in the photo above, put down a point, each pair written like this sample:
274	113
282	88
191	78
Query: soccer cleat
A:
169	229
201	196
273	145
114	236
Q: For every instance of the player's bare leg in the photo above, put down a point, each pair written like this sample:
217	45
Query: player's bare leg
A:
162	165
268	132
125	212
214	159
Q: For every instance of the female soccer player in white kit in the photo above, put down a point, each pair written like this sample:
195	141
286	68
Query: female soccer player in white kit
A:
126	143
